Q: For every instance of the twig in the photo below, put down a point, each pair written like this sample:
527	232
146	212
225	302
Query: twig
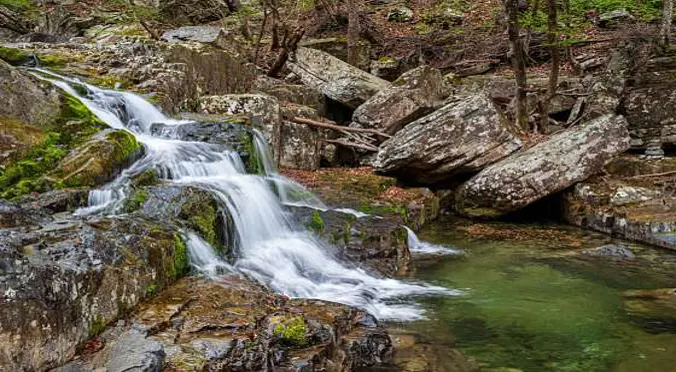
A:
338	127
355	145
146	26
653	175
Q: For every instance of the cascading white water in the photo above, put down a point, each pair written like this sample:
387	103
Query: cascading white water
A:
415	245
269	246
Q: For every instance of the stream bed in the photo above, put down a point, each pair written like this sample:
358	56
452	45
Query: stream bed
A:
536	298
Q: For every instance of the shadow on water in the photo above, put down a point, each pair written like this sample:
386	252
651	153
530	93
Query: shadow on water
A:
534	302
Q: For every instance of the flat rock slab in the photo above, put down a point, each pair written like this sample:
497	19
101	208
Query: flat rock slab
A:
232	324
549	167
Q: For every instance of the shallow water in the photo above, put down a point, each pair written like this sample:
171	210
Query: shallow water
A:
532	304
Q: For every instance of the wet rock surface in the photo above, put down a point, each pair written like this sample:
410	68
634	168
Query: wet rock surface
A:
551	166
464	136
64	280
235	325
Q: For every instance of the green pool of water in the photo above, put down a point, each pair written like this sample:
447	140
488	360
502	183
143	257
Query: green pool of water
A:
531	303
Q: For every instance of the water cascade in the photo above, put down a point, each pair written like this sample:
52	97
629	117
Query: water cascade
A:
269	246
415	245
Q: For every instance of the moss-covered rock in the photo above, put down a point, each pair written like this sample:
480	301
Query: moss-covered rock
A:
57	143
98	160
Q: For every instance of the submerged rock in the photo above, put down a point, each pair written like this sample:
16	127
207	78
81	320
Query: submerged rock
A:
551	166
415	94
611	251
654	310
334	78
462	137
235	325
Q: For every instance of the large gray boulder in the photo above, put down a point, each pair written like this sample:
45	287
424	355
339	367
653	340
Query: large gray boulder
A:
415	94
462	137
549	167
338	80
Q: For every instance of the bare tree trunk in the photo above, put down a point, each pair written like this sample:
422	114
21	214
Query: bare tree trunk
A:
518	61
353	32
289	45
665	29
552	23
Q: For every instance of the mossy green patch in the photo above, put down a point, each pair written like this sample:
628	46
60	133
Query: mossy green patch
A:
97	325
201	215
23	176
292	332
254	164
317	223
146	178
135	201
181	264
14	56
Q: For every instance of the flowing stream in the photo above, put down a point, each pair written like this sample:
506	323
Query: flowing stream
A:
269	246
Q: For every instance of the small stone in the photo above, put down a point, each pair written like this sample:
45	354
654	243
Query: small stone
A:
400	14
610	250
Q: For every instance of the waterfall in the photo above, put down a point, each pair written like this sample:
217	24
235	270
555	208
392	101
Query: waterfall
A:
269	246
415	245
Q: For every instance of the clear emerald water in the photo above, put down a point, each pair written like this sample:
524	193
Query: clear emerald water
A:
531	304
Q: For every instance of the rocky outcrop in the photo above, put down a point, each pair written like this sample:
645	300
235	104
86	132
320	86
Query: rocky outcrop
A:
462	137
549	167
608	91
626	203
650	104
20	92
334	78
235	325
64	280
299	145
262	111
415	94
